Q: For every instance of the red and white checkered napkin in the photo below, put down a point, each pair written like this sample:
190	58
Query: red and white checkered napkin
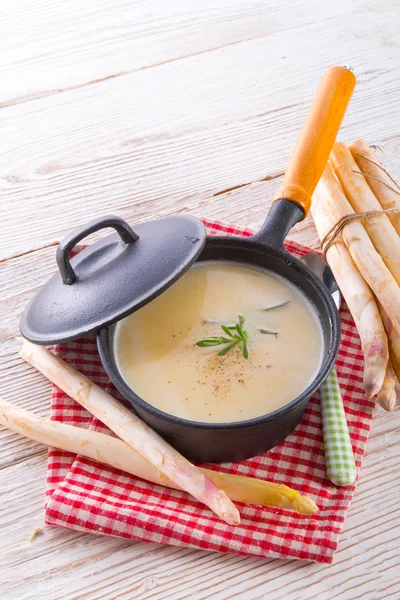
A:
88	496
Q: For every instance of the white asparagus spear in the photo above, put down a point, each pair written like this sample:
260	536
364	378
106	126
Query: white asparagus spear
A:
387	394
362	250
359	298
359	194
116	453
388	195
131	429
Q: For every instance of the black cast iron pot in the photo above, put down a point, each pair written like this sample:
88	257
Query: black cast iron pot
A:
222	442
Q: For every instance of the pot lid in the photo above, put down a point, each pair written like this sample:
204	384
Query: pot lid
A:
111	278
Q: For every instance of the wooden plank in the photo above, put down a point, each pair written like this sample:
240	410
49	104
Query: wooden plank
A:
100	567
121	41
205	118
181	132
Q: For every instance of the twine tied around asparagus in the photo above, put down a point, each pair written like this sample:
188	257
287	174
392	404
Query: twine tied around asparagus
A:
334	231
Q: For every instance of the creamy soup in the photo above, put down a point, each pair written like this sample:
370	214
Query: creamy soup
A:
158	357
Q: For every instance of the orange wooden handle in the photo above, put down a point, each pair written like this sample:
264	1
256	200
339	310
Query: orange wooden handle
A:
317	136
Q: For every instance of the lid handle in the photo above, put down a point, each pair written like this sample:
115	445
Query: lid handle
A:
125	232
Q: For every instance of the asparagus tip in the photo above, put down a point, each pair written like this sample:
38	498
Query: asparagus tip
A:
231	516
372	386
305	506
389	402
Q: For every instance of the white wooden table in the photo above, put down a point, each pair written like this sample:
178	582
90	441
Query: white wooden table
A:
146	108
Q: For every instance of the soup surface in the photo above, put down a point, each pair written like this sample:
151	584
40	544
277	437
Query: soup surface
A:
158	357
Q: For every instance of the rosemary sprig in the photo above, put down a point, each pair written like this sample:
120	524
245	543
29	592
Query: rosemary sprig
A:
236	335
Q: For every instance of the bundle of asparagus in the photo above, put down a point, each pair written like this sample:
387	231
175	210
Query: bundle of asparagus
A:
365	256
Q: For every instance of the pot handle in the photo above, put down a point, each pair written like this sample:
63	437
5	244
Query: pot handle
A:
125	232
292	200
317	136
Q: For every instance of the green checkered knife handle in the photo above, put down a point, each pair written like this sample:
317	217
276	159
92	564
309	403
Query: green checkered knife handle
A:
339	457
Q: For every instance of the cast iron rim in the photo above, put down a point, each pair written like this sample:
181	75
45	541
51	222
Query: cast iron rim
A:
130	395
